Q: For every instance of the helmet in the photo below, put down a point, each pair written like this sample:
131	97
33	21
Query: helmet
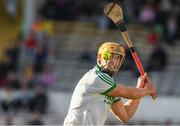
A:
110	56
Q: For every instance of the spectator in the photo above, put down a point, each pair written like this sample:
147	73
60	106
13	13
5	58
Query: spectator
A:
129	5
24	97
47	78
8	99
86	55
11	8
31	44
35	119
40	101
130	64
153	37
12	81
86	11
29	76
37	25
147	13
28	71
103	23
158	59
165	6
40	58
171	29
5	67
13	53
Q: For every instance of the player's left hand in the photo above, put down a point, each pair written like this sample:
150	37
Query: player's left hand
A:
141	81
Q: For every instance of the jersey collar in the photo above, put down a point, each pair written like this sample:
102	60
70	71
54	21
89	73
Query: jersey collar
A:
98	68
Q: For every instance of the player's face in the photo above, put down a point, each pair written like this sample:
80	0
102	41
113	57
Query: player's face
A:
114	63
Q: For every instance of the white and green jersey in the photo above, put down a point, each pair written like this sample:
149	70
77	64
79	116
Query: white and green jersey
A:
90	104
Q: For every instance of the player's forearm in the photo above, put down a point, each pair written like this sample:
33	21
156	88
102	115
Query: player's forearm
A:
133	93
131	107
129	92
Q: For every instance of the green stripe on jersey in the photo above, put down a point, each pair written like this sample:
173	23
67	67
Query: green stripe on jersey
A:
106	76
116	100
108	90
98	69
105	79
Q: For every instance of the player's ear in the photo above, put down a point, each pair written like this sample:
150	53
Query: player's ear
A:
99	59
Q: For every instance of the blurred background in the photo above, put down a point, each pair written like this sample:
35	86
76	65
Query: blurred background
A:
47	45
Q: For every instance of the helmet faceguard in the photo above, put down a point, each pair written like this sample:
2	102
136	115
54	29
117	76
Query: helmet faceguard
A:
110	57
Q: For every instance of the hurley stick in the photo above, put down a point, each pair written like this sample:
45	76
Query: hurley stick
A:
115	13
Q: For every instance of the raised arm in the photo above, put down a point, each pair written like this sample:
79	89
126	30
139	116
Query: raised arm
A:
124	111
132	92
129	92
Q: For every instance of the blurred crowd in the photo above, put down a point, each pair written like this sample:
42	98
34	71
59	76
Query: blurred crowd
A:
161	16
25	75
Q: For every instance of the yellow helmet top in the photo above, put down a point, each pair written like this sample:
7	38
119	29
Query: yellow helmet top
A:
107	48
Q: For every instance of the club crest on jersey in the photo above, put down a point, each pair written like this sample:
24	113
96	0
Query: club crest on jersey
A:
108	100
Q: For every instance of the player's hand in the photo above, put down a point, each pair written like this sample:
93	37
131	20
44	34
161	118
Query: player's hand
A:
141	81
150	86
